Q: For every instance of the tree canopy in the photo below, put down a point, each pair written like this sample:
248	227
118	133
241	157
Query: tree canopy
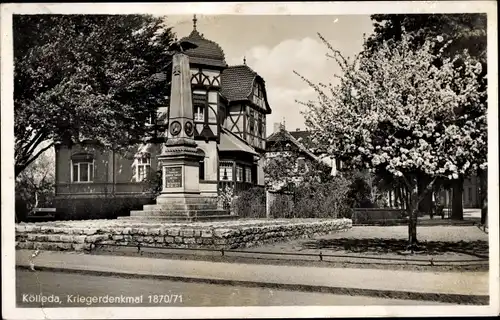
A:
468	31
86	76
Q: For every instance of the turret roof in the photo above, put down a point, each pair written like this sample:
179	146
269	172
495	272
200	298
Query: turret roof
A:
207	53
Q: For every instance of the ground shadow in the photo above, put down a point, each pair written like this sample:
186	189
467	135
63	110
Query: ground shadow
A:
379	246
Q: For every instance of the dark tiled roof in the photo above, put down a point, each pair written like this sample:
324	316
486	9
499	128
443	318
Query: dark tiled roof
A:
207	52
300	134
283	135
237	82
301	137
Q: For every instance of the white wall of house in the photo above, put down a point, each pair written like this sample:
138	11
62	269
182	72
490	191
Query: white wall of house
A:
208	186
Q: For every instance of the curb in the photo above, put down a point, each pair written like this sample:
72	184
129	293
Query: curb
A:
389	294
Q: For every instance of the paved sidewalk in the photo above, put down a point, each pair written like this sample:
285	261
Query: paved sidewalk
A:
353	281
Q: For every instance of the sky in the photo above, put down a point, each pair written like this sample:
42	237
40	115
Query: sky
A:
275	46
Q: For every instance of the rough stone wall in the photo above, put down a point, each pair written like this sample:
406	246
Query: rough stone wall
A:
78	236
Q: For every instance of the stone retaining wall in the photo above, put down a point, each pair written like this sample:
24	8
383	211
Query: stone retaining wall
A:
84	235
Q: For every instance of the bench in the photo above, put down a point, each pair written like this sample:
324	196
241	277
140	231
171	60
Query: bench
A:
42	214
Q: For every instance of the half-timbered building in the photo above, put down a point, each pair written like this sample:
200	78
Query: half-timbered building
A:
229	109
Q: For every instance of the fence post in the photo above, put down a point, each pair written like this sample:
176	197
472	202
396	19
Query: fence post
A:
268	204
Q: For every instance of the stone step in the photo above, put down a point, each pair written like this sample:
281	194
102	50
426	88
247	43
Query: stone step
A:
185	213
187	200
179	206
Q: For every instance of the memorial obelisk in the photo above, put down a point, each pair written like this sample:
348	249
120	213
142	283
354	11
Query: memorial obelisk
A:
180	158
180	197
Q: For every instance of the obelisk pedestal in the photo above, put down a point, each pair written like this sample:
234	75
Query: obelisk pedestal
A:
180	197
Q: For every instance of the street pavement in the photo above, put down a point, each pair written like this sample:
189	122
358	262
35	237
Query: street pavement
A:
408	284
77	290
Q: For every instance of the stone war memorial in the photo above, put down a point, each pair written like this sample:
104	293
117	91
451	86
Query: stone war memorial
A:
180	196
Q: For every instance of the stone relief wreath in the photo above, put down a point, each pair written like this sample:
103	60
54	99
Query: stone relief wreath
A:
188	128
175	128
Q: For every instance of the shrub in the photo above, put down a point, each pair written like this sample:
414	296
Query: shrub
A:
153	184
322	200
282	206
225	198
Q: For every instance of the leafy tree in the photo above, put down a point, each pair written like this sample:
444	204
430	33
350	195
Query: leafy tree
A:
97	77
468	32
396	112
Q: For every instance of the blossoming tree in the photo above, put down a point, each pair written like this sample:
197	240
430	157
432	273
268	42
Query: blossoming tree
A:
399	112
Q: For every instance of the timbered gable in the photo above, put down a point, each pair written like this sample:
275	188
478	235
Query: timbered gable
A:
255	131
205	78
257	96
205	114
235	119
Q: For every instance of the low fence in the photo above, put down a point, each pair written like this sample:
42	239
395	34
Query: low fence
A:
318	256
378	216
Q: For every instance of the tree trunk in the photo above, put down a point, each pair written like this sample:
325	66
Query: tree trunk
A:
406	199
424	206
457	209
397	196
483	193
